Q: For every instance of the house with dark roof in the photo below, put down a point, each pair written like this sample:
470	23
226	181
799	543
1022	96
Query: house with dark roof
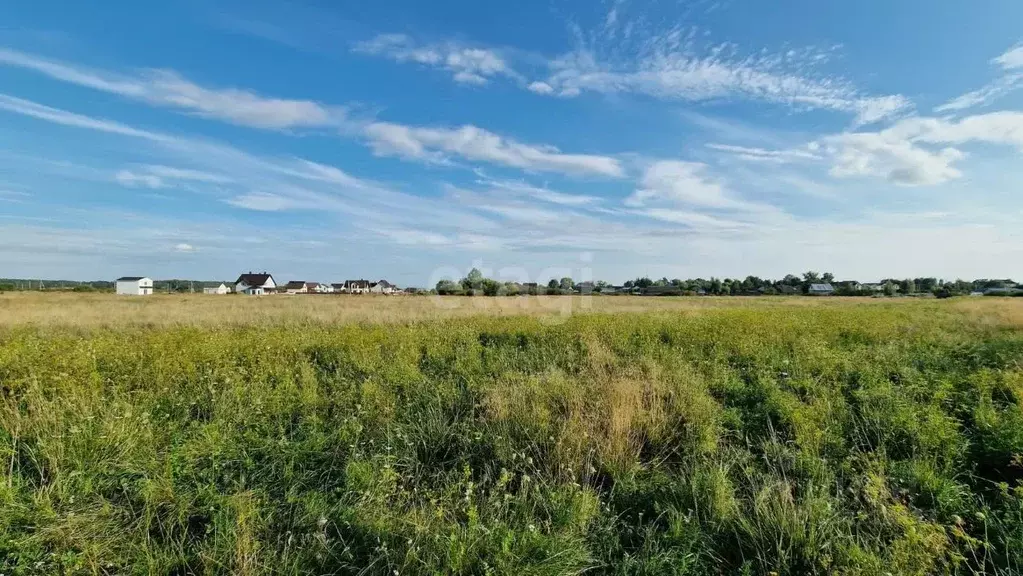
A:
296	287
382	287
255	284
357	286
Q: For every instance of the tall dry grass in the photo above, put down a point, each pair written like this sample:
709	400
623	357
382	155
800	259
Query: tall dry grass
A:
168	310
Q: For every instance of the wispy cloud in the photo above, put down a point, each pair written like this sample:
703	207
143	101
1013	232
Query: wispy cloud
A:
169	89
675	182
1010	64
466	64
756	154
521	188
476	144
136	180
57	116
1012	59
158	176
674	66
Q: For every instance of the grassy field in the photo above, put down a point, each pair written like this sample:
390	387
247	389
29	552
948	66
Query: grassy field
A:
320	435
167	310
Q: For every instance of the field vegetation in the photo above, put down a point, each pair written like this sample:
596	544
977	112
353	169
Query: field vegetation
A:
654	436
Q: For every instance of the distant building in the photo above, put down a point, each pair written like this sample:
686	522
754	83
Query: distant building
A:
338	288
1004	291
135	286
382	287
788	290
296	287
357	286
662	291
255	284
821	290
222	289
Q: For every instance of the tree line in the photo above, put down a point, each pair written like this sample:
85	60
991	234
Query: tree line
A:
476	284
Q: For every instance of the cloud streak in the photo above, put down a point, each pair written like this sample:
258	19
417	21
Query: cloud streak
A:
1011	65
670	70
479	145
171	90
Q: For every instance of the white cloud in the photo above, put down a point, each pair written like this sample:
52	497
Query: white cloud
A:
169	89
897	160
920	151
262	202
678	182
670	68
477	144
158	176
184	248
756	154
467	65
136	180
540	88
172	173
521	188
1012	59
1011	80
691	219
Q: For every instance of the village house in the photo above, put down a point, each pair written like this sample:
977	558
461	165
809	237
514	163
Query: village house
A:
382	287
222	289
255	284
338	288
357	286
296	287
134	286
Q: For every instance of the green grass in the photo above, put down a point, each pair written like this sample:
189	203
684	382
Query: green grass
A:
825	439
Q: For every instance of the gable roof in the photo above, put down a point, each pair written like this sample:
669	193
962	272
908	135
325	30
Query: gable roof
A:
357	283
821	287
130	278
254	279
295	284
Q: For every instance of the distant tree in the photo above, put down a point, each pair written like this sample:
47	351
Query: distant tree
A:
643	282
490	287
828	277
473	280
889	288
566	284
811	277
628	284
715	286
448	287
553	287
907	286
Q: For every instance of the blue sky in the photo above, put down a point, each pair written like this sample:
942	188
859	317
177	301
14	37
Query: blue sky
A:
412	141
